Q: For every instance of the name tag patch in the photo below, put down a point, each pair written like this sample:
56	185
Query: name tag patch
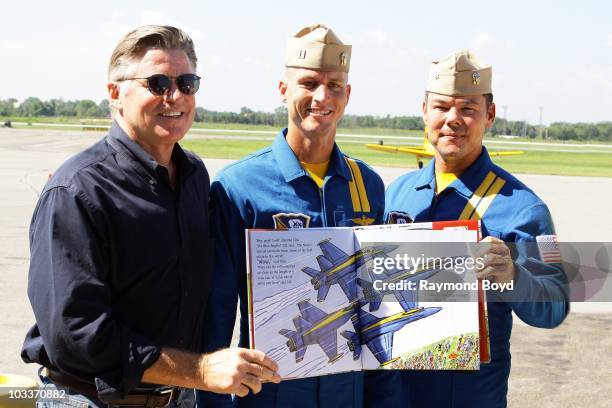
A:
399	217
283	221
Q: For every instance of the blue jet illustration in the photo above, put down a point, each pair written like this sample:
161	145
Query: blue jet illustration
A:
377	333
408	299
314	326
340	267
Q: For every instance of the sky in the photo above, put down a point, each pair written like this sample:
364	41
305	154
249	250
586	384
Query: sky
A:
555	55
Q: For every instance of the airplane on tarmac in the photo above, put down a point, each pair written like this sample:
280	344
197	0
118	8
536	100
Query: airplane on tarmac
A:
314	326
426	150
377	333
339	267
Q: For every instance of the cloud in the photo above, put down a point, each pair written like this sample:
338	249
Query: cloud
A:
486	40
483	39
510	44
575	79
117	14
157	17
12	47
593	77
388	73
609	42
114	27
153	17
378	45
375	37
577	92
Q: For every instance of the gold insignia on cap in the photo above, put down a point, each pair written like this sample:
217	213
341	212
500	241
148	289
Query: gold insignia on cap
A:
475	78
459	74
343	58
317	47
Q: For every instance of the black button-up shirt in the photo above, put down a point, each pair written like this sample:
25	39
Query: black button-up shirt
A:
120	263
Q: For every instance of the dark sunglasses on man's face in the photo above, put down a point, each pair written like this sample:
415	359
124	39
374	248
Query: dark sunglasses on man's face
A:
159	84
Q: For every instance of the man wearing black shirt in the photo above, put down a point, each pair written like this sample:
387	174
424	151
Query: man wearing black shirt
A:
119	239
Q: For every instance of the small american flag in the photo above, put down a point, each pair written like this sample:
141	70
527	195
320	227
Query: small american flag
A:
549	249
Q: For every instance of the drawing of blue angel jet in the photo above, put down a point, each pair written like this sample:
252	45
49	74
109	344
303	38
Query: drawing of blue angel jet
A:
314	326
408	299
339	267
377	333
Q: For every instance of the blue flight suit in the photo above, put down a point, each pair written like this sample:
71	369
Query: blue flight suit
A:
270	189
510	211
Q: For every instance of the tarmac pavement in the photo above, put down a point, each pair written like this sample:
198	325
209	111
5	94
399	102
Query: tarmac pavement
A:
565	367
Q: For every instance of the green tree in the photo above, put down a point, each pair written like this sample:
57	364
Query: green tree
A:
7	107
32	107
281	116
86	108
200	114
103	109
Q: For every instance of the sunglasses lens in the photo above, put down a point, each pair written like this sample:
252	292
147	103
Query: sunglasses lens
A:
188	83
158	84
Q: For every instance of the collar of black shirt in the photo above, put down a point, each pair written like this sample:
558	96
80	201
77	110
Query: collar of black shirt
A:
142	159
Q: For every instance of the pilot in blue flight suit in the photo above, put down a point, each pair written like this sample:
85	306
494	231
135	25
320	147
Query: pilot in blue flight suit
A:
302	180
461	182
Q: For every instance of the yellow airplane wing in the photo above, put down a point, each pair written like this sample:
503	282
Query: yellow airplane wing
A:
506	153
426	150
418	151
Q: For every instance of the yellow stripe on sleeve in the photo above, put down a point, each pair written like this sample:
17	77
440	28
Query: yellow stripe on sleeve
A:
359	196
354	196
488	199
475	199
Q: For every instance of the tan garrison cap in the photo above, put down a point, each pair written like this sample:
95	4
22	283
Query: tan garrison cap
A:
459	74
317	47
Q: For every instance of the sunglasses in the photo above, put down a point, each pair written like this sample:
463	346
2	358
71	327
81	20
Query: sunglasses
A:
159	84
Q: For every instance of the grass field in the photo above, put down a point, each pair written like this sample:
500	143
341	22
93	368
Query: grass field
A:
70	121
246	129
39	123
233	141
55	119
534	162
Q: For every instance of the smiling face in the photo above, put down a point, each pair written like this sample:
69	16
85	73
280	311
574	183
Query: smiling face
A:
315	100
456	126
154	121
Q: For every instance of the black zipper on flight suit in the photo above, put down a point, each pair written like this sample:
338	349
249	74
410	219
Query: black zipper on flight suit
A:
432	207
322	199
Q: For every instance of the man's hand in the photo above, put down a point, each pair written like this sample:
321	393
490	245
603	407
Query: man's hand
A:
498	265
237	370
228	371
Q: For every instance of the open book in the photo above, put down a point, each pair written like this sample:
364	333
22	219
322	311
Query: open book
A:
330	300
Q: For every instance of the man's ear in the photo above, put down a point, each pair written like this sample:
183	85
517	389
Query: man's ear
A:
113	95
491	115
282	91
424	109
348	92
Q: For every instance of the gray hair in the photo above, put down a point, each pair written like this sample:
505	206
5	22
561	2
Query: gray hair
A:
139	41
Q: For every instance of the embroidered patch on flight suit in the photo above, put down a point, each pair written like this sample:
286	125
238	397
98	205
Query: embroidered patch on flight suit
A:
399	217
283	221
341	220
548	246
363	220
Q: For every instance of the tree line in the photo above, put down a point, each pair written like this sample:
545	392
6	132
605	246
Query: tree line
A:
35	107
